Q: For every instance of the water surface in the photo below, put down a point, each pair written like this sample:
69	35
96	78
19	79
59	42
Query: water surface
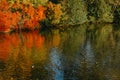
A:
86	52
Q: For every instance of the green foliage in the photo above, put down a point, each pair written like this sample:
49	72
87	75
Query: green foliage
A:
34	2
77	11
105	11
92	8
117	15
80	11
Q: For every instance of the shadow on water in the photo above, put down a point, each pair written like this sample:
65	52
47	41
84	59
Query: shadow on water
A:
85	52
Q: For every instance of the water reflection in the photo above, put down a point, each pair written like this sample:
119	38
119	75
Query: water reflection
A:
86	52
55	66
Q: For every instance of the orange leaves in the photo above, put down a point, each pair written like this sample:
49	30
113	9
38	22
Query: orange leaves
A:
20	14
34	15
8	20
31	24
17	5
4	5
4	21
40	13
29	10
15	20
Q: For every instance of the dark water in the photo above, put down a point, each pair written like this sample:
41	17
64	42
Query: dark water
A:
89	52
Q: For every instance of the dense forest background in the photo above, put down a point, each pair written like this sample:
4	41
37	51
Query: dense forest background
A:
32	14
82	11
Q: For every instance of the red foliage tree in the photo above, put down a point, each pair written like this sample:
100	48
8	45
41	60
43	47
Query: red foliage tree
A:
20	14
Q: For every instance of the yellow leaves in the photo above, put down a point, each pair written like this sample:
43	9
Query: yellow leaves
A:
51	6
58	11
54	12
4	5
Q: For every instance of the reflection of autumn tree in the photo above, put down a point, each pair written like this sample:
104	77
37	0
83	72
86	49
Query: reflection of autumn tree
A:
4	46
106	51
116	50
32	39
56	40
104	41
21	50
35	44
71	42
52	39
73	39
39	54
6	42
18	65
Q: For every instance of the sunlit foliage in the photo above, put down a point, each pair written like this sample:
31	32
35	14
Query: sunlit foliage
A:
54	12
20	15
33	2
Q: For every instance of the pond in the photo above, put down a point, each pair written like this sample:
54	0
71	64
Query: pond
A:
84	52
